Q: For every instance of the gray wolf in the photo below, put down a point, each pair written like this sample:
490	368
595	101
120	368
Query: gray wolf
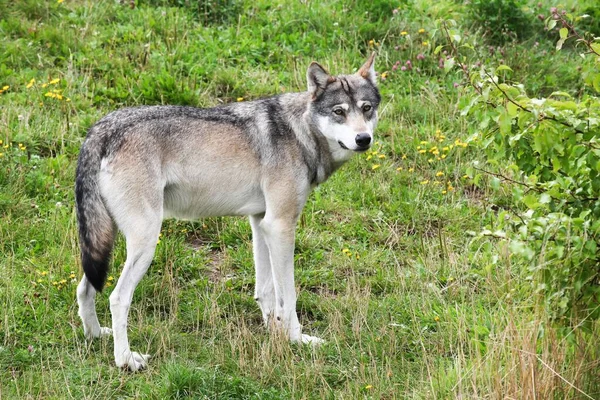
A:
138	166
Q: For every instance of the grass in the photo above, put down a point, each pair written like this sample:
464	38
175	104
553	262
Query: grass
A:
389	267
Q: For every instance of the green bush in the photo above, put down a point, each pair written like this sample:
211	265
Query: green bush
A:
500	20
548	149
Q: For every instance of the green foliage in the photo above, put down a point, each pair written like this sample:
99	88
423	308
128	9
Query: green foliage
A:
209	12
552	146
501	21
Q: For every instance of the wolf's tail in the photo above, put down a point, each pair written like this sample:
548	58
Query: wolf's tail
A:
96	227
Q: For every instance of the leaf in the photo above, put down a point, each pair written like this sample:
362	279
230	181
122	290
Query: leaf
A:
531	201
596	83
559	44
448	64
563	32
504	123
512	110
438	49
551	24
559	93
503	68
595	47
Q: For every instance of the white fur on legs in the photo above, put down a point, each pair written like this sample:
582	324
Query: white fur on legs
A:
264	291
279	236
86	295
141	240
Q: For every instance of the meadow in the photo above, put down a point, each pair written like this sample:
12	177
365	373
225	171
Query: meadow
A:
400	266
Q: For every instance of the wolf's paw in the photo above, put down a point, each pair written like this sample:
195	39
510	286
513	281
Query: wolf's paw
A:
99	332
313	340
133	361
104	331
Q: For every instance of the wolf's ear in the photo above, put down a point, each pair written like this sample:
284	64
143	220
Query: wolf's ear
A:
367	71
318	79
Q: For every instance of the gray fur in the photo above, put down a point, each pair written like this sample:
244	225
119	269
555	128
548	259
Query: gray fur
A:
140	165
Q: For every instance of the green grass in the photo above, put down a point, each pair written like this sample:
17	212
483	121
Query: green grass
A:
390	271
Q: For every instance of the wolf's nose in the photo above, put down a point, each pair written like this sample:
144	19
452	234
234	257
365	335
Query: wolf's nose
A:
363	139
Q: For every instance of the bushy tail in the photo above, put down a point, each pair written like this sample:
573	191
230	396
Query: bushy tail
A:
96	227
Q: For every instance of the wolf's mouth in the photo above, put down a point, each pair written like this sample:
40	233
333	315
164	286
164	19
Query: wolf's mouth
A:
357	150
342	145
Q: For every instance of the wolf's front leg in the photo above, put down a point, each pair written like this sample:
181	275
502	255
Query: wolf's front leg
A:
279	237
264	291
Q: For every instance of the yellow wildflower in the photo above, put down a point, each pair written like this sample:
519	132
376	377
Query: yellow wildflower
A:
399	169
381	156
444	192
54	81
240	99
411	170
384	75
436	318
421	30
404	33
404	156
369	157
368	387
422	151
375	166
439	174
110	278
425	43
30	84
425	182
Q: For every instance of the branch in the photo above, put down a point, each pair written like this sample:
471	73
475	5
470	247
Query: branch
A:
542	117
460	64
506	178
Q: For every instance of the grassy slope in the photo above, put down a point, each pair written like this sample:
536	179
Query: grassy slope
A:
413	309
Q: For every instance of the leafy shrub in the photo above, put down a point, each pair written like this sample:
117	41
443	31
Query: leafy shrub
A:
549	150
500	20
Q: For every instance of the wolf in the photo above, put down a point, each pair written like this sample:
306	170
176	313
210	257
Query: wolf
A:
140	165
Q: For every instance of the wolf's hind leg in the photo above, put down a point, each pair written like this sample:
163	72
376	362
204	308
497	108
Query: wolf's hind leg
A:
86	296
141	235
264	291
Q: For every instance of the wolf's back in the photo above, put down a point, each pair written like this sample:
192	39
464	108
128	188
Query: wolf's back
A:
96	227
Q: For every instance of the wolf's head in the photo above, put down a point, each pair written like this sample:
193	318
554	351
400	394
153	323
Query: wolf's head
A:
344	108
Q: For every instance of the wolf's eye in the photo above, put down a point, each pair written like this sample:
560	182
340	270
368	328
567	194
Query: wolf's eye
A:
367	108
338	111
